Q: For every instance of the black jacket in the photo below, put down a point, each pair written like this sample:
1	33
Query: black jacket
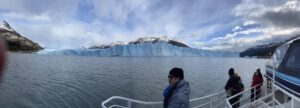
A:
233	84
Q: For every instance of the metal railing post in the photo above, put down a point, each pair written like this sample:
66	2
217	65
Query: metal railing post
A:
273	84
266	88
285	98
292	106
129	104
228	104
254	98
211	102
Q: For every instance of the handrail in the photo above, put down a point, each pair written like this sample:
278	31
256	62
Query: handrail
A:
245	91
155	103
199	106
238	94
151	103
277	86
208	96
127	99
117	106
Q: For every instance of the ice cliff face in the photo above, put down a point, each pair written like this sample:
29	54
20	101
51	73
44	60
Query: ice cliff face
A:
148	46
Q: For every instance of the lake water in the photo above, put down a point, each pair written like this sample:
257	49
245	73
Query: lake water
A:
43	81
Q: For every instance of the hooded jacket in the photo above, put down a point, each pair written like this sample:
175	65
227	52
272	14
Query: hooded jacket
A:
232	85
256	80
178	95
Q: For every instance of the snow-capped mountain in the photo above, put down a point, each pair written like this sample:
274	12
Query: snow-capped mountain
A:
5	26
117	43
15	41
141	40
147	46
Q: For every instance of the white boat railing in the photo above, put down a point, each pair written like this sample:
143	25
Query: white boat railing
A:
247	96
269	97
216	100
129	102
219	100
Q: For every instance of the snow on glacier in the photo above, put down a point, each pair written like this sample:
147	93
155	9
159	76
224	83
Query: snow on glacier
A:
161	48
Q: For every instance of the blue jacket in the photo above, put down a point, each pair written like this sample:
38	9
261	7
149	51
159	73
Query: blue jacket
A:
166	90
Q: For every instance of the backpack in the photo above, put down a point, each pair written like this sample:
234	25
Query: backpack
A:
239	87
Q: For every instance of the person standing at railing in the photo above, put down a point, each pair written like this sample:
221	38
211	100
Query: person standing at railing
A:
178	92
240	82
234	86
257	80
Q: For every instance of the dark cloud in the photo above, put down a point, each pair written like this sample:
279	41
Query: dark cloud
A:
282	19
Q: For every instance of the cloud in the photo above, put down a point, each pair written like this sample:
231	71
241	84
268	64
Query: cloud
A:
117	10
239	41
36	18
283	18
75	23
262	22
37	7
285	15
236	28
61	35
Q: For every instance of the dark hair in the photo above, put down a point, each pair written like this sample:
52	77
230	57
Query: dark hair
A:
259	73
177	72
231	72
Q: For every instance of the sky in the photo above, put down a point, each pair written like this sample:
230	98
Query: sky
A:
225	25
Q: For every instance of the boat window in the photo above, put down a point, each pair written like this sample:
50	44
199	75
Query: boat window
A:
278	55
293	61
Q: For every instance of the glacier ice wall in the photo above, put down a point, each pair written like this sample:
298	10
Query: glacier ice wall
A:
142	49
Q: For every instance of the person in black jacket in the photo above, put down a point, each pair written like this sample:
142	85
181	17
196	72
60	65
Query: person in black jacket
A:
232	86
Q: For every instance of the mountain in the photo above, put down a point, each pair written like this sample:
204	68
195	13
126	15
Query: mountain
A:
147	46
142	40
16	42
264	51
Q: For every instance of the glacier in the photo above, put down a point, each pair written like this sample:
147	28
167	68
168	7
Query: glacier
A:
161	48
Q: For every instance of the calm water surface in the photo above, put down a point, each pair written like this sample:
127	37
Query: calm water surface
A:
42	81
